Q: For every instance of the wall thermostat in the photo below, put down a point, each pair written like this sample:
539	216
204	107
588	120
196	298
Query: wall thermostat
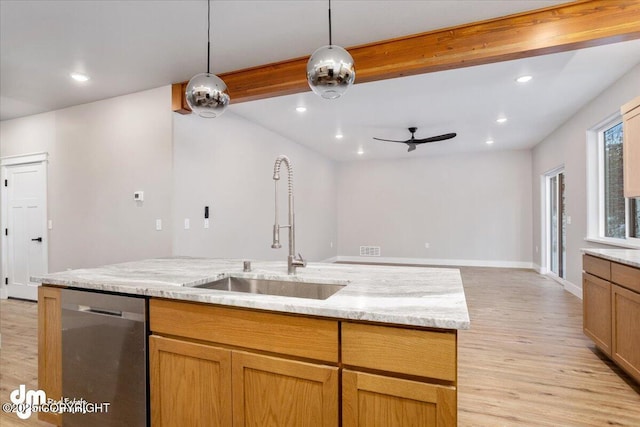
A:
138	196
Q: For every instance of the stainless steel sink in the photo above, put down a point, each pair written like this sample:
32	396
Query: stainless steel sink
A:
274	287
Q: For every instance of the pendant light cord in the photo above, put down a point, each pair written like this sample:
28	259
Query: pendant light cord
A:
208	35
330	42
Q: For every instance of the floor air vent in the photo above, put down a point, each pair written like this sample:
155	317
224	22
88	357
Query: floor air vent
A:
369	250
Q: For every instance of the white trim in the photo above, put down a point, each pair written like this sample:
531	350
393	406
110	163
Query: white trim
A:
330	260
627	244
24	159
14	161
545	215
431	261
540	270
567	285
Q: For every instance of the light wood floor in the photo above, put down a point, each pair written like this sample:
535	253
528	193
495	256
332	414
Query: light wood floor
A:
524	362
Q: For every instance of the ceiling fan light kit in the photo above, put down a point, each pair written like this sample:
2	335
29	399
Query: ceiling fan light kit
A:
330	69
207	93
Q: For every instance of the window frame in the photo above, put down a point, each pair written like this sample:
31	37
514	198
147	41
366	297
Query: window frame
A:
596	187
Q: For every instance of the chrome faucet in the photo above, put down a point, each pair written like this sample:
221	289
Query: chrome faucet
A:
292	260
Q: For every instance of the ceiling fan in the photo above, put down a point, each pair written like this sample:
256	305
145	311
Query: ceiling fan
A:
412	142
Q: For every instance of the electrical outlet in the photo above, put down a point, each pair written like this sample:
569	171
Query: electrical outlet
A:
206	223
158	224
187	225
426	245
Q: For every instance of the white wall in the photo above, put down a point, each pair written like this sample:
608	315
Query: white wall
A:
567	146
227	164
471	208
99	154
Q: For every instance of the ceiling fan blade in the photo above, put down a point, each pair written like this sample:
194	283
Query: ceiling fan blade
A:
435	138
388	140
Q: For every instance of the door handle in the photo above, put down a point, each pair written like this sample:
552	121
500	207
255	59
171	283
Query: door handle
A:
38	239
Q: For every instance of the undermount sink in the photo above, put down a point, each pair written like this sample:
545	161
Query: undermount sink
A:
274	287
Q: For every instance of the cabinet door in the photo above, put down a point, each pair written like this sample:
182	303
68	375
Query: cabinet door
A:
190	384
626	330
378	401
269	391
50	348
596	311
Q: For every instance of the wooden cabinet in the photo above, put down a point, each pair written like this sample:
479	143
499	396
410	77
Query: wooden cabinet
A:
631	147
50	348
383	401
626	329
190	384
271	391
289	370
418	387
596	311
611	307
213	358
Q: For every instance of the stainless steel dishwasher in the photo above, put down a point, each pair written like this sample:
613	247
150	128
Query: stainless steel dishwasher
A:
104	357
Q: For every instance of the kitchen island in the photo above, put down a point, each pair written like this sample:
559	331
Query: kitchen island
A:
380	351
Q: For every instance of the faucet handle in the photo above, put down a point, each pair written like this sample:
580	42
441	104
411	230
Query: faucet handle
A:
304	261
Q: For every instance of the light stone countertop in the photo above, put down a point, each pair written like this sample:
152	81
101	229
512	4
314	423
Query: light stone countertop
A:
629	257
415	296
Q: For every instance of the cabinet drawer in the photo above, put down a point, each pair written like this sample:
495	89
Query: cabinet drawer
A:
629	277
406	351
597	266
278	333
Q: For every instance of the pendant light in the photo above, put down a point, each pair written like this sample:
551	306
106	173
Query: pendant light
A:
330	70
206	93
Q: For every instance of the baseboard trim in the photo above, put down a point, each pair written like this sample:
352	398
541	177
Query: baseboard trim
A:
3	292
567	285
432	261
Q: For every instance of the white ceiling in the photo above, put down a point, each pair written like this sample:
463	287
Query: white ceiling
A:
129	46
466	101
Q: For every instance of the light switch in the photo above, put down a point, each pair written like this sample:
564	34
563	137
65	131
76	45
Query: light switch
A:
186	224
158	224
50	225
568	219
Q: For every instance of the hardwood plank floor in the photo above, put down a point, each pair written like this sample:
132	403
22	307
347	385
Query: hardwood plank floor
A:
524	362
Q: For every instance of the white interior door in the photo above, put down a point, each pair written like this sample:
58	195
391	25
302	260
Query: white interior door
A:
25	228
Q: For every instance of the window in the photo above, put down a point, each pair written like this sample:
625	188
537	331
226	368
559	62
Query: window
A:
618	219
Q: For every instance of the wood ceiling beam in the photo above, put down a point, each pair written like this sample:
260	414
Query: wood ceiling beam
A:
561	28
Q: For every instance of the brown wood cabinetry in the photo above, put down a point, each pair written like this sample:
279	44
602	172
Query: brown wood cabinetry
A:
611	307
631	147
626	329
596	311
286	370
50	348
382	401
418	387
191	383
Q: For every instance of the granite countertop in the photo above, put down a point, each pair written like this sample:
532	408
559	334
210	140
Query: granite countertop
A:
629	257
415	296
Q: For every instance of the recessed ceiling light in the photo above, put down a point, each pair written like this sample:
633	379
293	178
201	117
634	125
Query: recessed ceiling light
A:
524	79
79	77
360	151
339	135
301	109
489	141
501	120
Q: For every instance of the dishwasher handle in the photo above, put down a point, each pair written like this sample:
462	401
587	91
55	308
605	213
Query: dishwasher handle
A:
98	311
95	310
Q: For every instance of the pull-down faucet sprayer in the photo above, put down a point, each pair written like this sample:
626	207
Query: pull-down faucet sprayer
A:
292	260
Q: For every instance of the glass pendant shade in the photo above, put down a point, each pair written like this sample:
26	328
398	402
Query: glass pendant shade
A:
330	71
207	95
